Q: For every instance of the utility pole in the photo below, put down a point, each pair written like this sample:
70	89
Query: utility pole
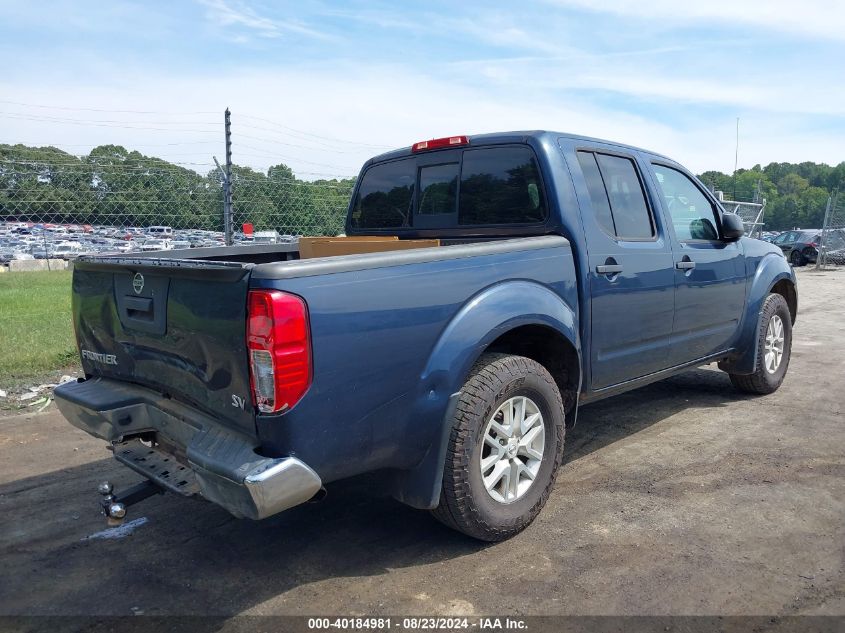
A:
736	155
823	245
226	174
227	200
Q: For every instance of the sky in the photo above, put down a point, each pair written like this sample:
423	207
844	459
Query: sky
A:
322	86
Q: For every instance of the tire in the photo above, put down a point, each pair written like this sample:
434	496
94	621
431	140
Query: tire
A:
763	380
796	258
496	382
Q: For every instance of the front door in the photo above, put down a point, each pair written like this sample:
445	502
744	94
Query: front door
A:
709	272
631	276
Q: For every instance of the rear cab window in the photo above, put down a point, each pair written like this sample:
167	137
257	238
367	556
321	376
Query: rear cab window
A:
385	197
484	186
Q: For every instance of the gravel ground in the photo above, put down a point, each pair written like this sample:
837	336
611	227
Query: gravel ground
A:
683	497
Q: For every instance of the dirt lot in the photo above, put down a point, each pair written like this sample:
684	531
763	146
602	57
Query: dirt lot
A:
680	498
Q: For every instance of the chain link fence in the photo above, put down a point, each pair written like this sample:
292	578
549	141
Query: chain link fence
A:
57	204
752	211
832	246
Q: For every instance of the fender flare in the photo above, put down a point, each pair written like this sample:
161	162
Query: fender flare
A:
485	317
772	269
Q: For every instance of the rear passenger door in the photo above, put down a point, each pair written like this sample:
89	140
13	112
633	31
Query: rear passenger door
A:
709	272
631	280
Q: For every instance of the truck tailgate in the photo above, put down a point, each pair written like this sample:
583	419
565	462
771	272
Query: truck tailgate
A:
177	326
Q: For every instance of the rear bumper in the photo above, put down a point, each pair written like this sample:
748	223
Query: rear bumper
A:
227	469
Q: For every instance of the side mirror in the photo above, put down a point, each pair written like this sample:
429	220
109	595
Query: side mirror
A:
732	227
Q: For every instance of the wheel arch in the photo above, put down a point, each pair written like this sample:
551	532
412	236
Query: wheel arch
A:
773	275
786	288
552	350
493	320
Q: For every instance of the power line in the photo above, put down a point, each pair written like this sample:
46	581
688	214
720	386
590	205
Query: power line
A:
94	165
23	117
302	132
35	105
320	146
62	119
39	143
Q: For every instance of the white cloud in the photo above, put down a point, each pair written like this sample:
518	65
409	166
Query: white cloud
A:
379	105
823	18
228	13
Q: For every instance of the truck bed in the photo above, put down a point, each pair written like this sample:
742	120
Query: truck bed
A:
377	323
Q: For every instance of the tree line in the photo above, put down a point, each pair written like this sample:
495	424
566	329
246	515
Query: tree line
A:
118	187
115	186
796	194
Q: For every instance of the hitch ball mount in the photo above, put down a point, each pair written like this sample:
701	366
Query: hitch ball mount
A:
113	506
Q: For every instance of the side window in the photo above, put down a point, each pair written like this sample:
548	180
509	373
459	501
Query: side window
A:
438	189
500	185
598	196
617	195
627	200
385	196
692	213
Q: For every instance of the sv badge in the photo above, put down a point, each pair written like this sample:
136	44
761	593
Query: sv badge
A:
238	402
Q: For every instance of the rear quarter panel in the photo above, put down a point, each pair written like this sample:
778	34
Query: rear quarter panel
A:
379	392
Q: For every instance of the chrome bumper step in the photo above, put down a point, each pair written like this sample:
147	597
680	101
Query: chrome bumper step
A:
158	466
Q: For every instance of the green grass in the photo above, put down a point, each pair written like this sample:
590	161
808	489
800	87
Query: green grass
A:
36	333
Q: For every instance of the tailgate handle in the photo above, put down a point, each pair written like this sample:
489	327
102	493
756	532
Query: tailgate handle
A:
138	307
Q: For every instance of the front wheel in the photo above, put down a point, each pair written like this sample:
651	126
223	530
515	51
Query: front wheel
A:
774	346
504	450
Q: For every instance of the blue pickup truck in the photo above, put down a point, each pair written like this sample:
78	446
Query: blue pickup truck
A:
567	269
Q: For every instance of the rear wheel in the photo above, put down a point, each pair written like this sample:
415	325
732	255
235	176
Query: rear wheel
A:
504	450
797	259
774	346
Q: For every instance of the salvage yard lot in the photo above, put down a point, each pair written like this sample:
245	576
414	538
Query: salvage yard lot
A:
684	497
36	334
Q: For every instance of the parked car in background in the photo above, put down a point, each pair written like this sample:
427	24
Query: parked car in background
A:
160	231
155	245
800	247
68	250
266	237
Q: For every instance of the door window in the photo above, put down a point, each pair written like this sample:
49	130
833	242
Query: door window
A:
617	195
693	215
598	196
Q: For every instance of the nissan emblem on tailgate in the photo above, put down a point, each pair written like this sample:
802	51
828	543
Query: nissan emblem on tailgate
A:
138	283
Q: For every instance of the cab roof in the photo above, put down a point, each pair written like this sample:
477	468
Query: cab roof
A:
519	136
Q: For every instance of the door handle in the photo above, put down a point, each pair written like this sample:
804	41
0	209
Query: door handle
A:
608	269
685	265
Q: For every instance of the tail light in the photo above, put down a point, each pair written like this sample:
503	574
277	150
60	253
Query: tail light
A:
438	143
279	347
813	245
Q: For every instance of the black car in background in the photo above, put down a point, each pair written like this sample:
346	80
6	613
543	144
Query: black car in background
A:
801	246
